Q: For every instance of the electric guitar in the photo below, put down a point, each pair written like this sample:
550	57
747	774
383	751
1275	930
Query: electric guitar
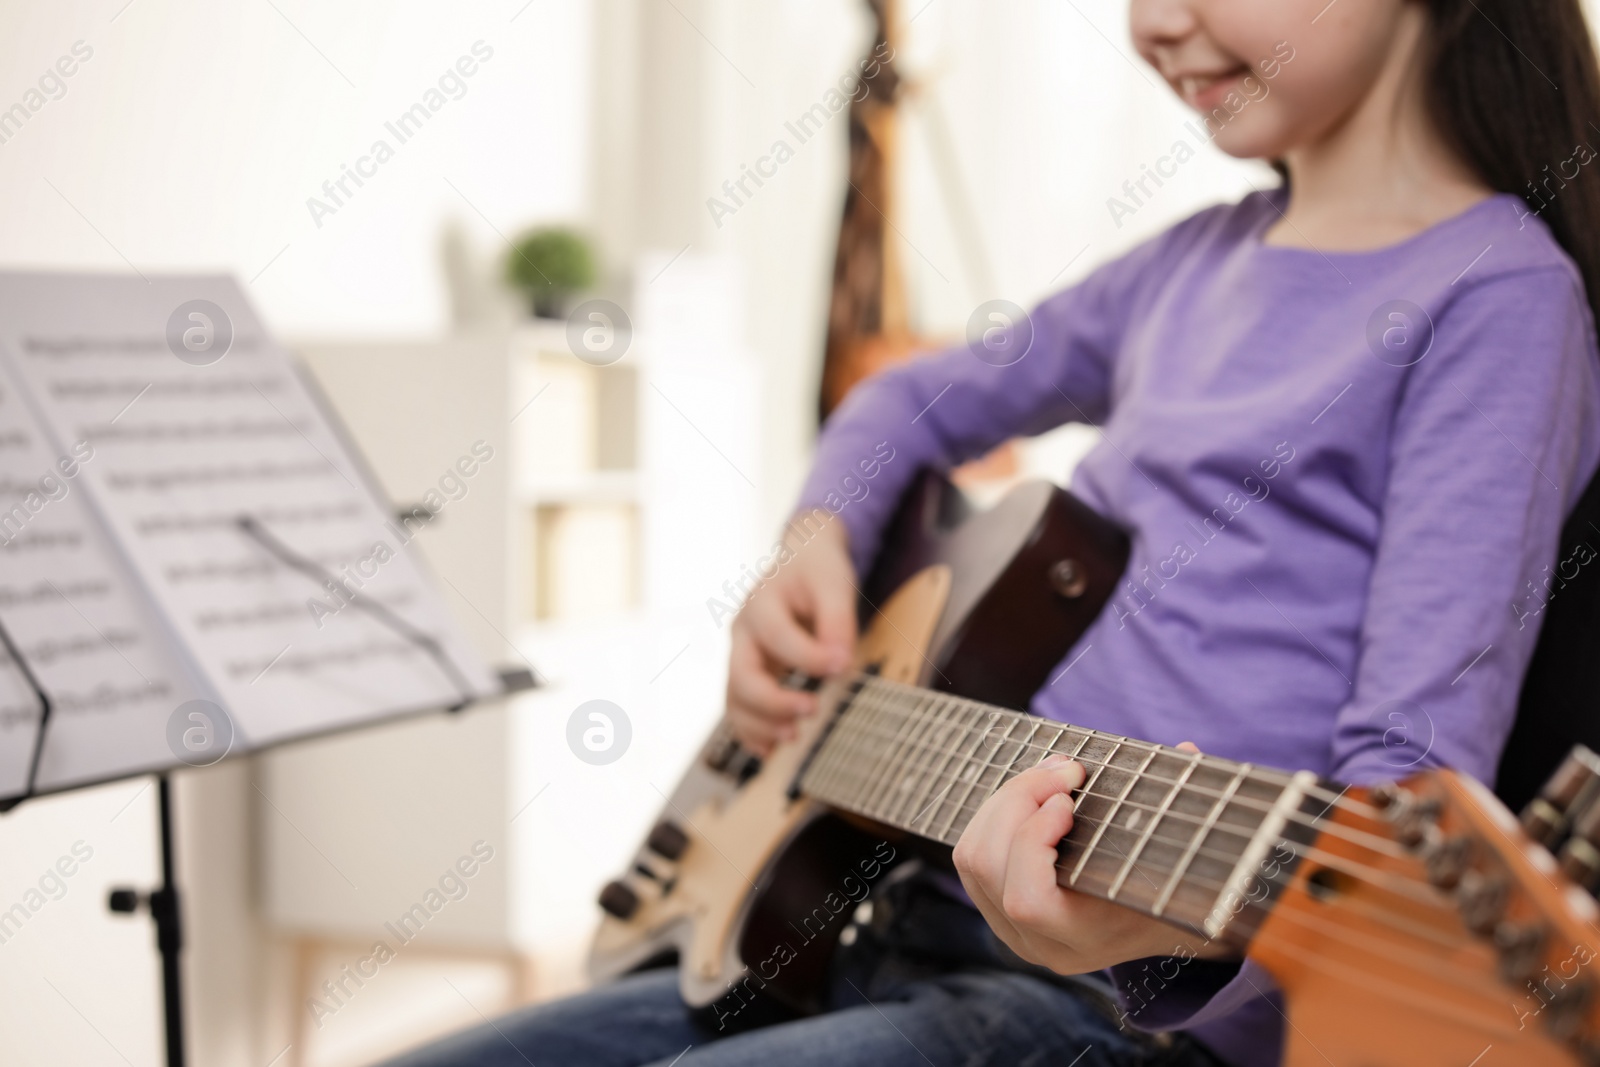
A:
1412	924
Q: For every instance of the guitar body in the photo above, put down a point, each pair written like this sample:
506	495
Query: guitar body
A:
979	605
1412	924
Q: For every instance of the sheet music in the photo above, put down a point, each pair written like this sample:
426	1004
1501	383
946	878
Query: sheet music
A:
83	626
186	443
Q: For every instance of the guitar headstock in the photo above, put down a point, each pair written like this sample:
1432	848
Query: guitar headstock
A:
1425	926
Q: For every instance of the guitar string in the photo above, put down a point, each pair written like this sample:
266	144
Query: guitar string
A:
930	774
1395	881
1398	882
1417	890
1360	838
1315	822
1405	928
1412	884
1490	986
887	688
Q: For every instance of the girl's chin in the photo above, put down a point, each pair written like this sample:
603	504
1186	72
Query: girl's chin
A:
1243	142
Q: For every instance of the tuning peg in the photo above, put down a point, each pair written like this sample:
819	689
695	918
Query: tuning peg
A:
1521	948
1446	859
1416	821
1385	795
1568	1005
1571	791
1580	856
1482	900
1580	861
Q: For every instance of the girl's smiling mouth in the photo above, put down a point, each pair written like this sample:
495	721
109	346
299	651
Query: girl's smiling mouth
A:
1204	90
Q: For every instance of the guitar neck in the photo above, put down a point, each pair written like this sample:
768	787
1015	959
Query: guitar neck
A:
1176	835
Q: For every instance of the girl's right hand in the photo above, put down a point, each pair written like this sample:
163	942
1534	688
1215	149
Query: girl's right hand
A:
803	618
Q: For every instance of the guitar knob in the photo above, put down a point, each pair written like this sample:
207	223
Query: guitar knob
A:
619	900
1570	793
667	840
1069	578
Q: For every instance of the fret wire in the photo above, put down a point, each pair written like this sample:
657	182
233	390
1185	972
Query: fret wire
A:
877	711
1269	831
994	760
1198	842
983	724
1076	754
892	757
877	723
1083	740
965	721
972	726
1111	815
893	776
1244	771
1145	835
934	775
1006	770
1283	778
893	717
1024	747
908	800
824	770
1308	851
1263	776
1050	746
1088	790
849	741
822	762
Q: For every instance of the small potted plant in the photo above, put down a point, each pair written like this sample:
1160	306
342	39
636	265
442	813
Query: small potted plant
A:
548	267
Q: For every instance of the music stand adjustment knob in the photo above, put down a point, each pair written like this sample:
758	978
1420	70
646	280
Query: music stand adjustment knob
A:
667	840
619	900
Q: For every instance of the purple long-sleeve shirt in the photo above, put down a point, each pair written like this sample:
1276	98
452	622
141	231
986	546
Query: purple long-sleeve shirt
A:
1344	475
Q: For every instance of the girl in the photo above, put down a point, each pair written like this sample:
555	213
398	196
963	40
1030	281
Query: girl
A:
1343	420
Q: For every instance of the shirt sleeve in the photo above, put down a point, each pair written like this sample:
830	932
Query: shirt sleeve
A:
1492	444
943	409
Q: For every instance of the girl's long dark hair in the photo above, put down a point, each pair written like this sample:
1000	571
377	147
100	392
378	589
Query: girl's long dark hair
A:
1515	86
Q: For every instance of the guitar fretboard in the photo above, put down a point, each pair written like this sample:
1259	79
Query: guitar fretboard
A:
1170	833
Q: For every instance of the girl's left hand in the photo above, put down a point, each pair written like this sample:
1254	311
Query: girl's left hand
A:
1007	861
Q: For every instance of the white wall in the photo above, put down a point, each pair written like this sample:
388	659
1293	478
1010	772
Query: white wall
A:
197	131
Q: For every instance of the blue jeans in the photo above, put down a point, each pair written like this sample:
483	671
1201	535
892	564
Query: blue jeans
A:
925	986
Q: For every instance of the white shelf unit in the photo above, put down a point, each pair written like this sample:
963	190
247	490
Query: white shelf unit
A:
576	488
